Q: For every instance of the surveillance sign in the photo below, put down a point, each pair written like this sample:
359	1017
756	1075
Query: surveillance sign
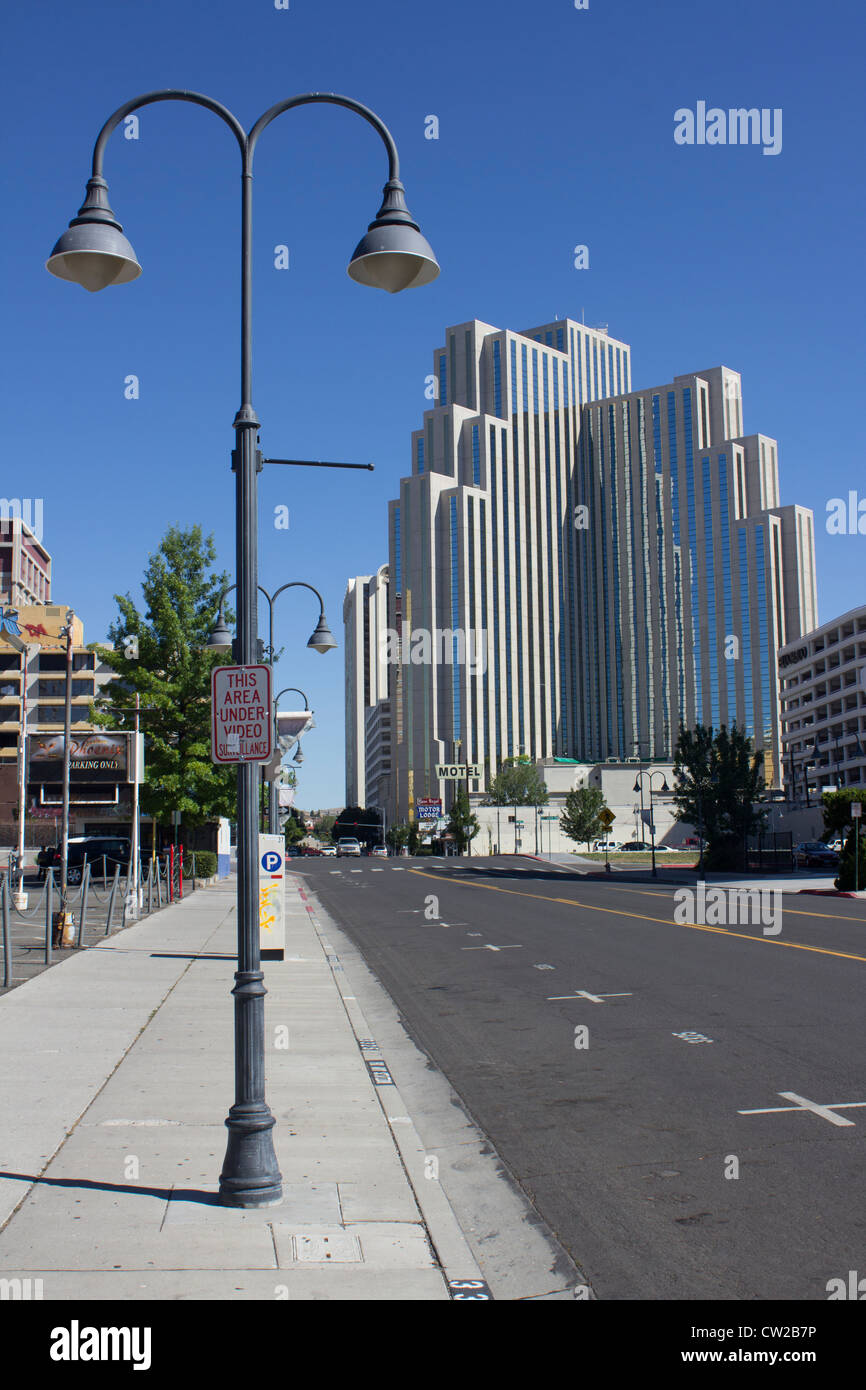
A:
241	719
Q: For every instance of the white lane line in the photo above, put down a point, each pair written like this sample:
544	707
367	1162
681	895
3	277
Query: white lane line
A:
356	871
544	967
585	994
488	947
377	871
801	1103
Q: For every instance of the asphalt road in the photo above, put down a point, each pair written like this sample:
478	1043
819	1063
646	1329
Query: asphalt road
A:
626	1138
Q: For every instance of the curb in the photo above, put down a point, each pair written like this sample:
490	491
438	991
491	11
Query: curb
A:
462	1275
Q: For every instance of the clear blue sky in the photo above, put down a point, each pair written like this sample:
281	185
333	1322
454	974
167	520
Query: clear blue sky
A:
556	128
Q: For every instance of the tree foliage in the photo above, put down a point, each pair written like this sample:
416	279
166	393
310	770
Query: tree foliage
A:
718	781
837	808
580	818
852	865
462	823
172	678
517	783
359	823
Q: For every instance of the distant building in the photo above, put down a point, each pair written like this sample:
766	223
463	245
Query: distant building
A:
368	708
33	670
25	565
822	676
588	565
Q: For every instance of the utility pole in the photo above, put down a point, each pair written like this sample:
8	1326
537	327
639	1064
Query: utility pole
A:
67	737
20	898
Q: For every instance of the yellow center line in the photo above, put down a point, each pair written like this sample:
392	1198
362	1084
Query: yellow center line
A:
641	916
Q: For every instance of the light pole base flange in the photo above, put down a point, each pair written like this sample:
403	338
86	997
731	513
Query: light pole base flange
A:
250	1175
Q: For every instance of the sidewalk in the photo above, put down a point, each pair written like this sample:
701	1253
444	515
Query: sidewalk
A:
117	1074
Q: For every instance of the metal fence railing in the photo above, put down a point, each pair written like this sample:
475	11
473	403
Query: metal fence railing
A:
102	901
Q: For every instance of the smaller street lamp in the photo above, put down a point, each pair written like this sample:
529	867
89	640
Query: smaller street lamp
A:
638	786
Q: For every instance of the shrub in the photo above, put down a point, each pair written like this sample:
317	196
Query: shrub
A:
846	880
205	863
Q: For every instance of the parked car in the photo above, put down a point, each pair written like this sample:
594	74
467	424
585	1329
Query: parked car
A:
636	845
330	850
690	842
815	854
838	844
104	853
347	845
602	845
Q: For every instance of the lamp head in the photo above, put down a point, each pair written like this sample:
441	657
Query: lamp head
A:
393	255
93	252
322	639
220	638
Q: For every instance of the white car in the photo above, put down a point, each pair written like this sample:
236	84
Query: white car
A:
348	846
602	845
328	849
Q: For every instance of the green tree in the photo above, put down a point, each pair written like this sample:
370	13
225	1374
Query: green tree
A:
397	836
171	675
718	781
852	866
837	809
359	823
294	829
324	827
413	839
580	818
462	824
517	783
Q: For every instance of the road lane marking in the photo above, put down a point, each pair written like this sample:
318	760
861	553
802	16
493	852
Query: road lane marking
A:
644	917
691	1037
801	1103
585	994
488	947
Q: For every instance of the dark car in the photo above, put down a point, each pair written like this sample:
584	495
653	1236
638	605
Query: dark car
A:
815	854
104	853
636	845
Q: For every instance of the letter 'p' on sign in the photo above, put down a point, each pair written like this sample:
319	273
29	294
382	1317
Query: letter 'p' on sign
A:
242	720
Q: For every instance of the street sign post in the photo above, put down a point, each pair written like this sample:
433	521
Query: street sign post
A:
607	817
272	897
856	816
241	718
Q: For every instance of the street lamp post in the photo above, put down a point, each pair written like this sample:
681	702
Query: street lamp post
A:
321	640
392	255
274	802
638	786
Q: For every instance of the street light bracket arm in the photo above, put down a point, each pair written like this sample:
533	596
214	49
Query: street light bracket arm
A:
299	584
167	94
335	100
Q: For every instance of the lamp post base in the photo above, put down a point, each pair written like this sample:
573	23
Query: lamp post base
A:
250	1175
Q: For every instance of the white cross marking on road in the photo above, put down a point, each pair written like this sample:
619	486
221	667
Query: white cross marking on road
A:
488	947
825	1111
585	994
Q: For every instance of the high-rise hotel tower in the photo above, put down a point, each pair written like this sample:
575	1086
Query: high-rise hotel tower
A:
577	568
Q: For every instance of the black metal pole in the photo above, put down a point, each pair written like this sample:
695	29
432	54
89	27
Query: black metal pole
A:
67	735
250	1175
